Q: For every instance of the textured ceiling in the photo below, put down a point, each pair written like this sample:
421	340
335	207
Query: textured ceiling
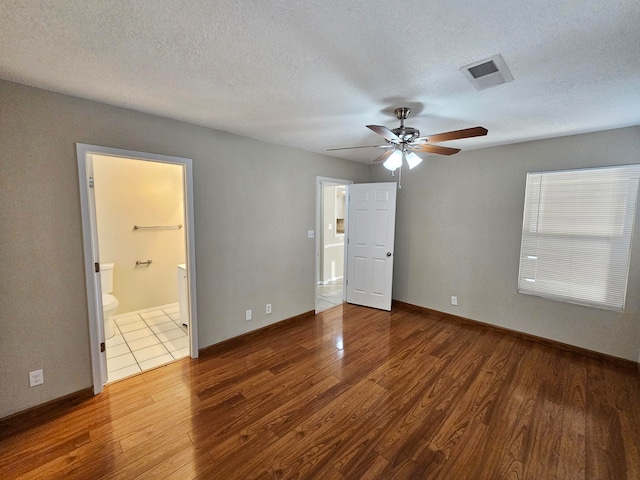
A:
312	74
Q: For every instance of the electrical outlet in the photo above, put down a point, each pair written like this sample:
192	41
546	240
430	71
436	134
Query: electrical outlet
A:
454	300
267	309
247	316
311	234
36	378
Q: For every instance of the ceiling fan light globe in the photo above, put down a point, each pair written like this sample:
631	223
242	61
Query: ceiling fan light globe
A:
394	161
413	160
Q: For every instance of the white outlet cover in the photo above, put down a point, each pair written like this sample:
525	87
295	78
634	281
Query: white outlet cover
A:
248	315
311	234
36	378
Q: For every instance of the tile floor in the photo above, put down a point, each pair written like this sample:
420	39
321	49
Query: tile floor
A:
329	295
144	340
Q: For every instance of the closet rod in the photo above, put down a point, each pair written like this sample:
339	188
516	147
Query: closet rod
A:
140	227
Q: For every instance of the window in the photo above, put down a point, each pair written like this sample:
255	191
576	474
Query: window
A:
576	235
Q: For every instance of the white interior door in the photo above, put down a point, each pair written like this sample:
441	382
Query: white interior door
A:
370	238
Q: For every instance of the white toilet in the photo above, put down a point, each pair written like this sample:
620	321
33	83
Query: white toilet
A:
109	302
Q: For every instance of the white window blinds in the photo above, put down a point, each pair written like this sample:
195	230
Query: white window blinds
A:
576	235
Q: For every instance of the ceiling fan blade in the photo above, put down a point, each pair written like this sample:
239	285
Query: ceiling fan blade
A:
365	146
384	132
455	135
435	149
383	157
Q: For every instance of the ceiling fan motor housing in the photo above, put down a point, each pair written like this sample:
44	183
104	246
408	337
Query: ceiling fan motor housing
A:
406	134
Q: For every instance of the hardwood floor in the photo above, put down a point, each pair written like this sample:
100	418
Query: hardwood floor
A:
351	393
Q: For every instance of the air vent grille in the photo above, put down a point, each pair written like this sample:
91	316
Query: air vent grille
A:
487	73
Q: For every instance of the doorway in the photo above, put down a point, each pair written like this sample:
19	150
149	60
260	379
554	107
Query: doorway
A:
139	251
331	221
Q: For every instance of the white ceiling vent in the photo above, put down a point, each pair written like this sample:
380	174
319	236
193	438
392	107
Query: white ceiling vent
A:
487	73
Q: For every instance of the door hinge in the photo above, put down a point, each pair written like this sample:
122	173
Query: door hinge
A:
90	182
102	347
96	267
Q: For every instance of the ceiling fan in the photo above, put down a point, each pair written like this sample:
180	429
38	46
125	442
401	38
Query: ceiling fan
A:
403	142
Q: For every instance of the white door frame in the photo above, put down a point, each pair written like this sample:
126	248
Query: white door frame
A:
320	183
90	242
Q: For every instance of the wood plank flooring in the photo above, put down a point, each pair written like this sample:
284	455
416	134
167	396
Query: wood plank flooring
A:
351	393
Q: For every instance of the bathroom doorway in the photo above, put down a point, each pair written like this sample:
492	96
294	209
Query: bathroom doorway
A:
331	218
138	226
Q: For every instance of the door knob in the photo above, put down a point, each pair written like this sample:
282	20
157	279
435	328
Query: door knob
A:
388	254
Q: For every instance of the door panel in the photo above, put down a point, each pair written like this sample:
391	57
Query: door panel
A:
379	276
361	227
380	228
371	229
359	275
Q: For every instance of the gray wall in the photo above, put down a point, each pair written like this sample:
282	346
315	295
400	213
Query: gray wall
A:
254	203
458	232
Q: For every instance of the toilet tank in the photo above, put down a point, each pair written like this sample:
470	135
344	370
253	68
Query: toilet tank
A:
106	277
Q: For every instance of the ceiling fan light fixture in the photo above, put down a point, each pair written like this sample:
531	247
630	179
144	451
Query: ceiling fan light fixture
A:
413	160
394	161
